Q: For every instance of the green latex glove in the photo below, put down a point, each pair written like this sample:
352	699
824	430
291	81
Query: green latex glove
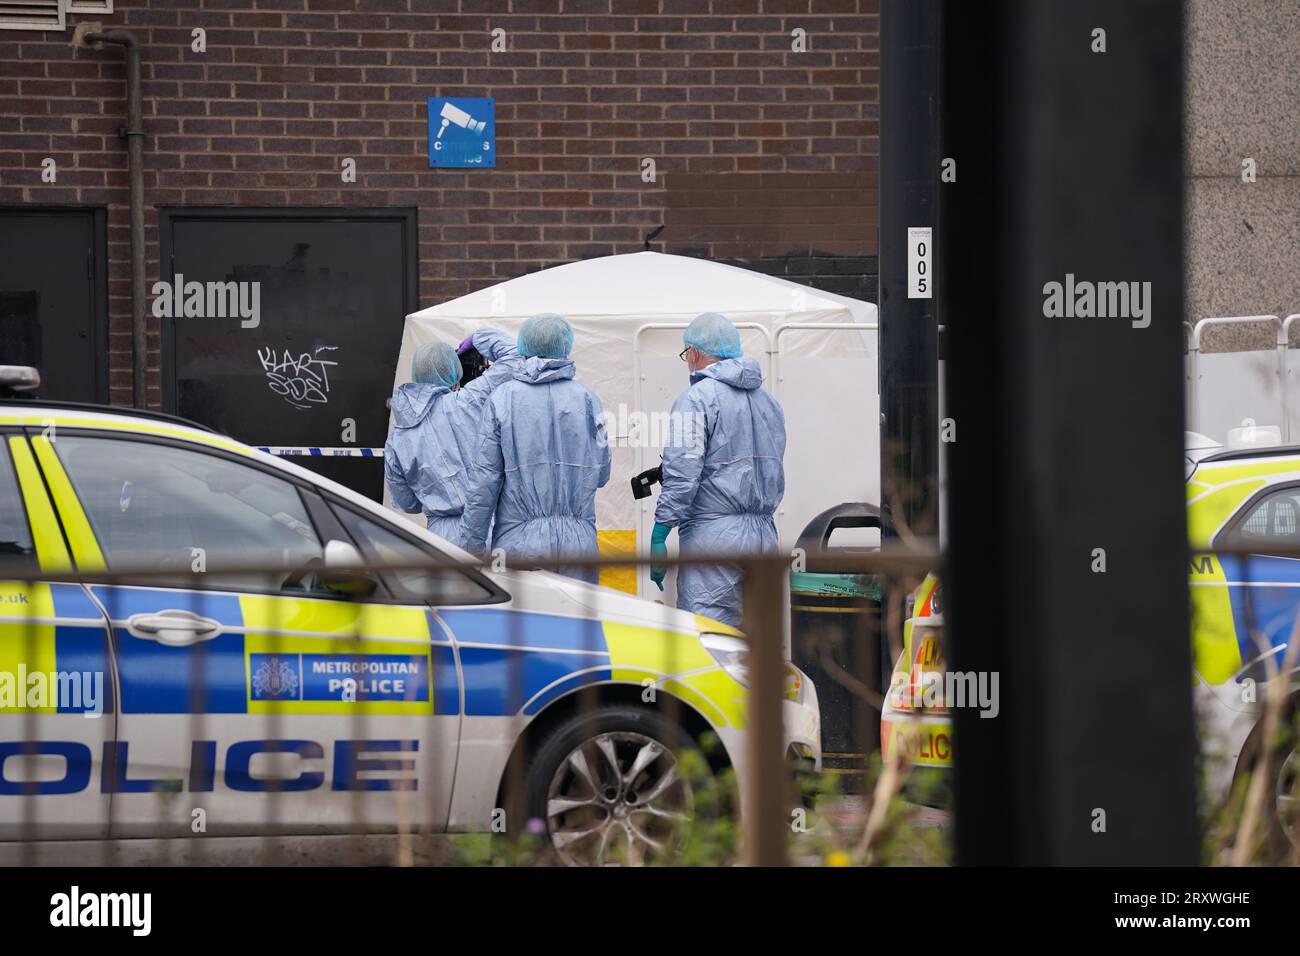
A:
659	549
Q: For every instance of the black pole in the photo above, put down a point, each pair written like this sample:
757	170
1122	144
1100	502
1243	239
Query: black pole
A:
1069	433
909	82
134	133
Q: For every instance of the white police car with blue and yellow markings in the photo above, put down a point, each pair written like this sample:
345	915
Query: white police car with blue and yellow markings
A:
322	699
1245	602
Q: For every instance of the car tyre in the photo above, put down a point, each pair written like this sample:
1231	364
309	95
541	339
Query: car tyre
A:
1282	823
618	785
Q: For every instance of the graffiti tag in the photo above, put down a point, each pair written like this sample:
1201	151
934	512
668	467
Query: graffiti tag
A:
303	380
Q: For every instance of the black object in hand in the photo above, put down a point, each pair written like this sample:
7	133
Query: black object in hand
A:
642	483
472	365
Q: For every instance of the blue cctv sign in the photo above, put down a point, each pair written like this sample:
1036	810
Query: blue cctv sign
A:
462	133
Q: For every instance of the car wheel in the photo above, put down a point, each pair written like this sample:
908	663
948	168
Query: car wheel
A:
615	787
1286	785
1282	823
1282	782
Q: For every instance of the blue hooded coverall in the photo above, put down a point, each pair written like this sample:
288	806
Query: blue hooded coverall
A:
542	454
435	434
723	479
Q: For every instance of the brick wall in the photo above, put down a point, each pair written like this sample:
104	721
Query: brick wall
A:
763	157
817	227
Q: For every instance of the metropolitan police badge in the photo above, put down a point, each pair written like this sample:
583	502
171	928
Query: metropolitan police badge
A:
275	677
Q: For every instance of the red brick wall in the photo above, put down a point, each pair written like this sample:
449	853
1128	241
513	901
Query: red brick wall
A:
763	155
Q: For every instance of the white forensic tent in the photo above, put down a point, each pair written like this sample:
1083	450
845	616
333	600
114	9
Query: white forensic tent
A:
628	312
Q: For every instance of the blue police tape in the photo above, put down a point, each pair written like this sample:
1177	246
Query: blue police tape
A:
316	451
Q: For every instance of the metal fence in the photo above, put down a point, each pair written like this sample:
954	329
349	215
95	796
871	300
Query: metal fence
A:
201	739
1266	406
209	727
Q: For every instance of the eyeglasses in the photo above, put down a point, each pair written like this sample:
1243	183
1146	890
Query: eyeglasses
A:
682	354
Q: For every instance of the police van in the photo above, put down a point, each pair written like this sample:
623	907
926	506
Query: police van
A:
1240	501
147	682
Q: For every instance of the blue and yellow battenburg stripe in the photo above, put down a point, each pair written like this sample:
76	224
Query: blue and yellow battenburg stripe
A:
283	655
1240	608
47	629
289	655
517	662
385	652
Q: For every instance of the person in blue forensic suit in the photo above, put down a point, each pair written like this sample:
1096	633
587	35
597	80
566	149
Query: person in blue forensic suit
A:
723	475
435	428
542	454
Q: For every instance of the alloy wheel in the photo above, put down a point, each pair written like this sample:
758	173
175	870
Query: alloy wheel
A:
618	798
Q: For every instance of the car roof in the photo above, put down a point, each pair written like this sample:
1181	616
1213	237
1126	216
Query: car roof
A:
72	415
148	413
1268	464
127	420
1246	454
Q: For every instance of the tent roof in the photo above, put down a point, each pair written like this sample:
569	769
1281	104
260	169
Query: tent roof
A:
644	283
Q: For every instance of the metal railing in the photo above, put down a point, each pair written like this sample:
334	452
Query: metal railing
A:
290	771
176	694
1282	339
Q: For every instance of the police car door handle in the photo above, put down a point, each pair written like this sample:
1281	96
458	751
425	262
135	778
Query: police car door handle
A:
173	628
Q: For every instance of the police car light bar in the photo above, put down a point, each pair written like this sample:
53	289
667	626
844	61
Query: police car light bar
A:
19	378
1254	436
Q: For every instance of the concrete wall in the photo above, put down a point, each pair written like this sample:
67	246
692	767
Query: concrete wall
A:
1242	101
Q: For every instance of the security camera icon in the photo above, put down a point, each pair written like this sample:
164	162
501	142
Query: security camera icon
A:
453	114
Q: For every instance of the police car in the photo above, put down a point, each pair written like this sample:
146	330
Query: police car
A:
1243	614
323	699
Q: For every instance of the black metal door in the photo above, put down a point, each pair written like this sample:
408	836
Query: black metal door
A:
53	299
314	366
